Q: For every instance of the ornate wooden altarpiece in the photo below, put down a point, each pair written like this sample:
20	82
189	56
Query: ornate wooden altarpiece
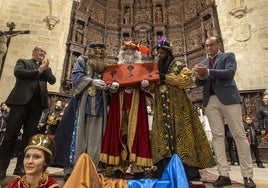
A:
186	23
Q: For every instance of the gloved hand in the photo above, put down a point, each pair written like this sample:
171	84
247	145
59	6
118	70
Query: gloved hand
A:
99	83
144	83
114	86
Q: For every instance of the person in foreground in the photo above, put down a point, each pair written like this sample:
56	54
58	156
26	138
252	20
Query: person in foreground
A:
176	127
222	100
27	100
36	160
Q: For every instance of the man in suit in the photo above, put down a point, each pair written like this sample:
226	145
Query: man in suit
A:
27	100
222	100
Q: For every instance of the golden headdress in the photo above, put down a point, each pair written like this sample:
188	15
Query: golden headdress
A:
43	142
130	44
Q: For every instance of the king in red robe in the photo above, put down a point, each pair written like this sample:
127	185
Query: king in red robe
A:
126	143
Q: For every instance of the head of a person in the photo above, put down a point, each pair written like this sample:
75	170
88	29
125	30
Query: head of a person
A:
96	53
265	99
213	46
3	106
129	53
96	49
38	154
164	48
58	105
248	120
39	53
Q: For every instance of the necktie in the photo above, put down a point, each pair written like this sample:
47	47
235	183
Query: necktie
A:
211	63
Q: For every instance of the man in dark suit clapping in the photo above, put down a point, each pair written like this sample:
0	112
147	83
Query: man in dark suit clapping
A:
27	100
222	100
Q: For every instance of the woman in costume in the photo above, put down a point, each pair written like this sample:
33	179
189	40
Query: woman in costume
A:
37	158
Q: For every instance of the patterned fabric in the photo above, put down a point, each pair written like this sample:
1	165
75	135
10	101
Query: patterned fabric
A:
21	182
126	139
176	126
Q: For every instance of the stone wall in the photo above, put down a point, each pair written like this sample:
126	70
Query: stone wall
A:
244	28
48	22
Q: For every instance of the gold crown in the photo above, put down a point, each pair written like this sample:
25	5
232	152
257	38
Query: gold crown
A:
43	142
130	44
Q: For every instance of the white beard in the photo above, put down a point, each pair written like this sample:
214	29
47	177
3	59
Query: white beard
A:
129	58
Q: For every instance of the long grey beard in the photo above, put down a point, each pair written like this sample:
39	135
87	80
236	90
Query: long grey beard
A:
98	64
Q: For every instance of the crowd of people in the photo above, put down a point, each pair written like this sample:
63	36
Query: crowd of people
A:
109	121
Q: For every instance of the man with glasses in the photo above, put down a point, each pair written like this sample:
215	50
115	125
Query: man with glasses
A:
222	100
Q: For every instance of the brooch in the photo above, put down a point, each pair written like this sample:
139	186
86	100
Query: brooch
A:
163	88
92	91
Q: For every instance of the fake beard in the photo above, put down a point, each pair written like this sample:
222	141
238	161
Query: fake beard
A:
98	64
129	58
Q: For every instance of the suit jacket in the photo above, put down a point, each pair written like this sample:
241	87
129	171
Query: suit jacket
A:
28	80
221	79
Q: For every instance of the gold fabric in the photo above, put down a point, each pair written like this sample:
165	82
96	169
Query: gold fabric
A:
176	126
85	175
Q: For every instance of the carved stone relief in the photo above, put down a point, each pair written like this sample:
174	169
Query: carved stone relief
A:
97	13
126	15
241	32
159	13
173	16
238	9
190	9
193	40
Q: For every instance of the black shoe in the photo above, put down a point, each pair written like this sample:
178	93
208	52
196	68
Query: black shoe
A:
3	174
260	165
249	183
222	181
19	172
232	163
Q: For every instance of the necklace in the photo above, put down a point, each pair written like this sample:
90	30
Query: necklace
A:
42	180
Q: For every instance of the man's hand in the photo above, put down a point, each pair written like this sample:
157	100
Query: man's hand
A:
144	83
200	69
99	83
43	66
114	86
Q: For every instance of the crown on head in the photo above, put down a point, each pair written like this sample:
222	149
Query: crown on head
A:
163	43
43	142
130	44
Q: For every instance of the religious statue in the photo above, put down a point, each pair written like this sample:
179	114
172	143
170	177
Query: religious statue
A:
127	15
4	36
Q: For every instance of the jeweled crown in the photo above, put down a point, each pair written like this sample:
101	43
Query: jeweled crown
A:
43	142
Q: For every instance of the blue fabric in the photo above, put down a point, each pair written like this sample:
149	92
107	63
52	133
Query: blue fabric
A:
94	105
173	177
175	173
63	136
